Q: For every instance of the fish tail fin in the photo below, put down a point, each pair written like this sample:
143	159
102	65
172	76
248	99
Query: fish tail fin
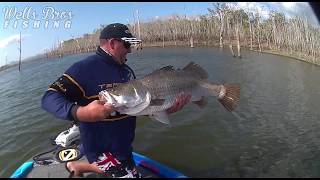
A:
229	96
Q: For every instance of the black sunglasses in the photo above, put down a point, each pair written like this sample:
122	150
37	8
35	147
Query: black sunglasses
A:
125	43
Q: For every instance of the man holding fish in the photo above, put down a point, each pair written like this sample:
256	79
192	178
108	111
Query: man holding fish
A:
106	134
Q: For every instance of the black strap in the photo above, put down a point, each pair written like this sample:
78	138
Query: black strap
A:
45	160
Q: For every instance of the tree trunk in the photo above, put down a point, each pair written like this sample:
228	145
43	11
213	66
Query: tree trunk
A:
251	35
238	40
191	42
259	43
230	41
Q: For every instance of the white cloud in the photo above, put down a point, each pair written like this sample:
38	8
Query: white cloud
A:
290	9
11	39
252	7
289	5
301	9
263	11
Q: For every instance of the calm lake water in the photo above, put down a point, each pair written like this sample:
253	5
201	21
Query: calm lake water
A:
274	132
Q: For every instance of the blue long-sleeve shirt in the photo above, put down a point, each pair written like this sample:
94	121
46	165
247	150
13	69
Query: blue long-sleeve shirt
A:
80	85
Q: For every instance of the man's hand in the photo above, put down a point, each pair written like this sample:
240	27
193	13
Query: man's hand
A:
93	112
181	100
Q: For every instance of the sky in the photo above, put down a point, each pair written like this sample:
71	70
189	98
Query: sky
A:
44	24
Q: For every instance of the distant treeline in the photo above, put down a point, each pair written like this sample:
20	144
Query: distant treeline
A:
8	66
222	26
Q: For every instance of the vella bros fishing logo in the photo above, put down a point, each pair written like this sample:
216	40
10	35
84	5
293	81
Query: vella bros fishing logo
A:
28	17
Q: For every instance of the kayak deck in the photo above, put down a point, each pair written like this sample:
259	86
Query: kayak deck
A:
147	167
53	166
59	171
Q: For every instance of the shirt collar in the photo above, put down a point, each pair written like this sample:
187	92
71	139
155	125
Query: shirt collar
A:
106	51
106	55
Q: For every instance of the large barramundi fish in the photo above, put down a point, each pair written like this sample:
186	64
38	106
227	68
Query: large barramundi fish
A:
156	92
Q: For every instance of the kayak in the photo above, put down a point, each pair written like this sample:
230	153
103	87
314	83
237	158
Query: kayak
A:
147	167
53	167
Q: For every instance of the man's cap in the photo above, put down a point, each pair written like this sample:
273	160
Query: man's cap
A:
121	31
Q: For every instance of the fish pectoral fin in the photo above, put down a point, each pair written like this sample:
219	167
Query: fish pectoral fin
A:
202	102
161	116
157	102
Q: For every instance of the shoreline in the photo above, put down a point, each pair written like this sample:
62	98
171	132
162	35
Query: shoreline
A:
285	54
215	45
184	44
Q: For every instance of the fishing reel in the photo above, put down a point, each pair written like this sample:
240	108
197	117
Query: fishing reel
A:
68	137
67	148
69	140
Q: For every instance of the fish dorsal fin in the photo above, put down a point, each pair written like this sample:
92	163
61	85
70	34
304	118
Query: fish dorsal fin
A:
166	68
161	70
196	70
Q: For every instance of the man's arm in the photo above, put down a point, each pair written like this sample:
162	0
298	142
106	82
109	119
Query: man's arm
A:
95	111
61	97
57	104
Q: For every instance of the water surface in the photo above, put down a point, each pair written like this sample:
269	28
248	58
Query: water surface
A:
274	132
